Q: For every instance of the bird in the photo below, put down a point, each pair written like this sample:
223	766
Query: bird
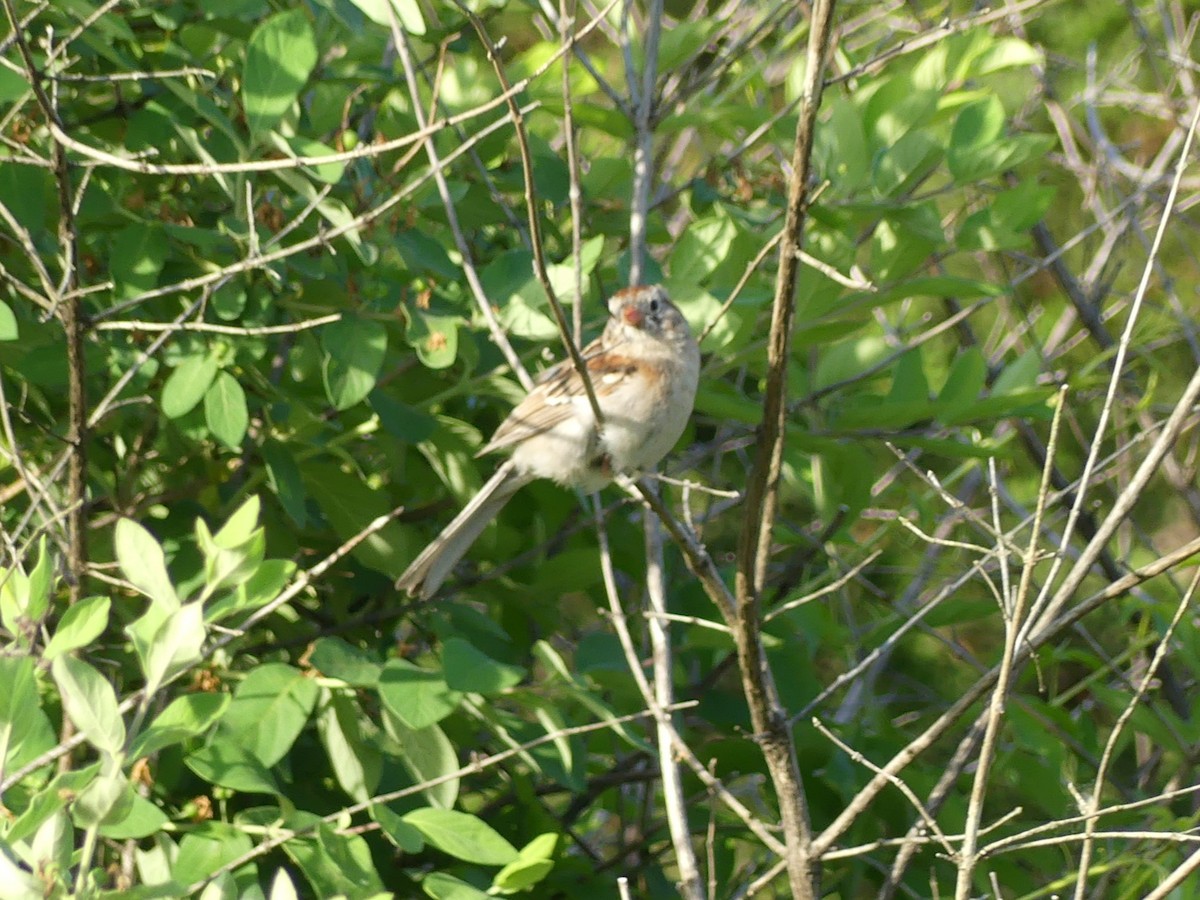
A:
644	369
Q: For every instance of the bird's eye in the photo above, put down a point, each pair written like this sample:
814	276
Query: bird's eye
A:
654	305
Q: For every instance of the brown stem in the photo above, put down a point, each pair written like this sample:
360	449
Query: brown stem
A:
71	315
769	719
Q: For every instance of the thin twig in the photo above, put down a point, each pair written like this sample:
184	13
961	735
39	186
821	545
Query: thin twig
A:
71	315
535	223
1013	612
210	328
1093	806
1046	605
762	491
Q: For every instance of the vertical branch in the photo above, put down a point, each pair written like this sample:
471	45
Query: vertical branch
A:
645	102
535	222
566	24
1110	746
691	885
762	491
646	112
1014	616
70	313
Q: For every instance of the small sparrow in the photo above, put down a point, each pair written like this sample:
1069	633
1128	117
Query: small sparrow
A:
643	369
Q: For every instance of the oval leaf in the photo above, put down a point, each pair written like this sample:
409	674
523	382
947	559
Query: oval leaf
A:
80	625
354	350
418	697
463	836
142	561
225	410
91	703
8	323
187	385
279	58
471	670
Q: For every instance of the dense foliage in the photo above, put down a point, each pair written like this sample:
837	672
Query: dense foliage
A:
269	282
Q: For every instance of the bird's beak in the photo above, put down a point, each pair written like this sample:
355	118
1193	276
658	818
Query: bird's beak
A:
632	315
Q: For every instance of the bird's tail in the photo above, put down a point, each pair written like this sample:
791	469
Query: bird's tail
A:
427	572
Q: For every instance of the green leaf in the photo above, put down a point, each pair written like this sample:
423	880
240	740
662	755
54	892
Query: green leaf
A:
849	359
225	410
428	755
909	384
188	384
80	625
1029	403
435	338
1019	375
444	886
1005	53
236	551
20	707
903	164
242	526
842	146
91	703
20	688
977	147
14	599
61	790
187	716
349	505
701	249
13	86
354	350
41	582
8	321
282	887
233	767
418	697
964	383
229	300
25	599
52	846
683	41
472	671
518	317
336	864
108	798
283	475
269	710
355	760
532	864
1005	223
463	836
396	830
205	848
329	173
408	13
141	819
401	420
334	658
263	586
897	107
174	646
137	256
280	55
938	286
978	125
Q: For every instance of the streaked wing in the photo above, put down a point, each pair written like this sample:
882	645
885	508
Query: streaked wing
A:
552	401
539	411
